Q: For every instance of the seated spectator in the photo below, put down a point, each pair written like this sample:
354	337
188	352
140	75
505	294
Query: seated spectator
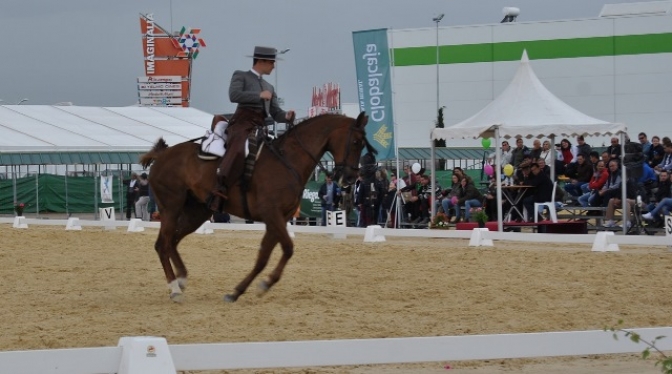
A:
598	180
662	192
523	173
656	152
468	198
543	190
664	207
646	145
535	152
666	163
566	155
606	157
583	147
425	199
447	202
615	203
612	188
543	166
579	176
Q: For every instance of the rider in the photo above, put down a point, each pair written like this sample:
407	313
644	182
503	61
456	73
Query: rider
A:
257	102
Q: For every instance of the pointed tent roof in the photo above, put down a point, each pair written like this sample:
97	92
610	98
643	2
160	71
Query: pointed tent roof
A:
528	109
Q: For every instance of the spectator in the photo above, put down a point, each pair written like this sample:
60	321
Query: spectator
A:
142	191
535	152
646	145
598	180
469	198
579	176
131	195
542	188
546	152
666	163
347	203
545	169
662	195
329	195
614	149
447	201
566	155
583	147
594	157
615	203
612	188
425	199
606	157
656	152
518	153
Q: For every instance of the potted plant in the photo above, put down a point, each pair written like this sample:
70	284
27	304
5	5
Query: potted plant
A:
440	221
479	215
18	208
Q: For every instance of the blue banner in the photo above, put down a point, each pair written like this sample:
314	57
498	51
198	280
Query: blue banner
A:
374	84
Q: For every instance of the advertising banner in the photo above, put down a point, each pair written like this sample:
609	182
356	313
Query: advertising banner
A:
168	58
374	85
106	195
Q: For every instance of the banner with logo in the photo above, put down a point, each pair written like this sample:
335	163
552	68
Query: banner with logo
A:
374	84
106	189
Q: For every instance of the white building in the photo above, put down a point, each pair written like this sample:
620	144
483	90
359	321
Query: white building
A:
616	67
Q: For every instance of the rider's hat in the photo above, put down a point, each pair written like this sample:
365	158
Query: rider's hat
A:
265	53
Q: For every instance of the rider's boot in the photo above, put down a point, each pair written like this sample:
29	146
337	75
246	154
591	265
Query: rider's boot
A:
218	195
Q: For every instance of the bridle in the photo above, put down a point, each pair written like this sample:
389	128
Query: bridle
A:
338	166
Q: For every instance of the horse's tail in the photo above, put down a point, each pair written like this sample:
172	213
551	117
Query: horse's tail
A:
149	157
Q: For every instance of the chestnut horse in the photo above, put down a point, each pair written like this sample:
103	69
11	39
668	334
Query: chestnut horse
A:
181	183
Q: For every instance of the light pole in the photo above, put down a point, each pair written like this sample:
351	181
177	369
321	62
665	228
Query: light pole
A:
21	101
437	19
280	101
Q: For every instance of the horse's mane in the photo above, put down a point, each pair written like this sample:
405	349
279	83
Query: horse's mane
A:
369	147
307	122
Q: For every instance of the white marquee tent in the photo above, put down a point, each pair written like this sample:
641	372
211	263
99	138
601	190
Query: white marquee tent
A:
526	108
46	128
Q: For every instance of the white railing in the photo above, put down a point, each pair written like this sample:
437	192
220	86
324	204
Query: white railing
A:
146	354
603	241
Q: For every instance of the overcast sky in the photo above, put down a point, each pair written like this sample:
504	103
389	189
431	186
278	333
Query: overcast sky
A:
89	52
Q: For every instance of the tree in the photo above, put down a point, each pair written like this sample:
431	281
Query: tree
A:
439	125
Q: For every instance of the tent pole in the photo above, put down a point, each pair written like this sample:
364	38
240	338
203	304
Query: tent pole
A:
37	192
624	184
553	158
498	176
96	175
433	171
14	182
67	207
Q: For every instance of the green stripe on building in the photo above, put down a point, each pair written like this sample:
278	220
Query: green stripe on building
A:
536	49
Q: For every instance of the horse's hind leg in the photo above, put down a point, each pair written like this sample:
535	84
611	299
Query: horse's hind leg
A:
267	244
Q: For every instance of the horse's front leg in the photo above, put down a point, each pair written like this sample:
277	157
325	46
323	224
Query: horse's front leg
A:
267	244
287	251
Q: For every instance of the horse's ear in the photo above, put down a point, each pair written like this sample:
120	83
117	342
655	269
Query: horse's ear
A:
362	120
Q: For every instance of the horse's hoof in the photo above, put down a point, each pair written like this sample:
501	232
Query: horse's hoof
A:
230	298
177	297
263	288
182	282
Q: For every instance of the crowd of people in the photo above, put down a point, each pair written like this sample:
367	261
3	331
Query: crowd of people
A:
591	179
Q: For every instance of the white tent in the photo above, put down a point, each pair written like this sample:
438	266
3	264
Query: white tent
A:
527	109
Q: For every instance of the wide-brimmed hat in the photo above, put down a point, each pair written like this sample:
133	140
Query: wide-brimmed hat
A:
265	53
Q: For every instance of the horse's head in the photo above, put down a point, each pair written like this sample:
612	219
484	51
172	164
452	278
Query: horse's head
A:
346	146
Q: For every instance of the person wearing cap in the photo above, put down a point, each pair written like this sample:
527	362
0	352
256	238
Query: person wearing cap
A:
257	106
142	191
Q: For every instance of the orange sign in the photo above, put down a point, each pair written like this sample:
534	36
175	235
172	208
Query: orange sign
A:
166	56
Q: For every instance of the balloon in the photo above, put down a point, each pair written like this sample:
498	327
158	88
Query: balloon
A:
488	170
508	170
485	142
453	200
415	168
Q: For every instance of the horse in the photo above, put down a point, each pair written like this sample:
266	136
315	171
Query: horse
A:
182	183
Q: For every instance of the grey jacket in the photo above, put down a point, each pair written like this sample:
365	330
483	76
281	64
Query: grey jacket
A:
244	90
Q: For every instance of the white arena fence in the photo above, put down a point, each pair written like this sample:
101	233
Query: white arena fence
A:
604	241
141	355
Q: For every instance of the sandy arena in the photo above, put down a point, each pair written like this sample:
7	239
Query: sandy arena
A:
89	288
